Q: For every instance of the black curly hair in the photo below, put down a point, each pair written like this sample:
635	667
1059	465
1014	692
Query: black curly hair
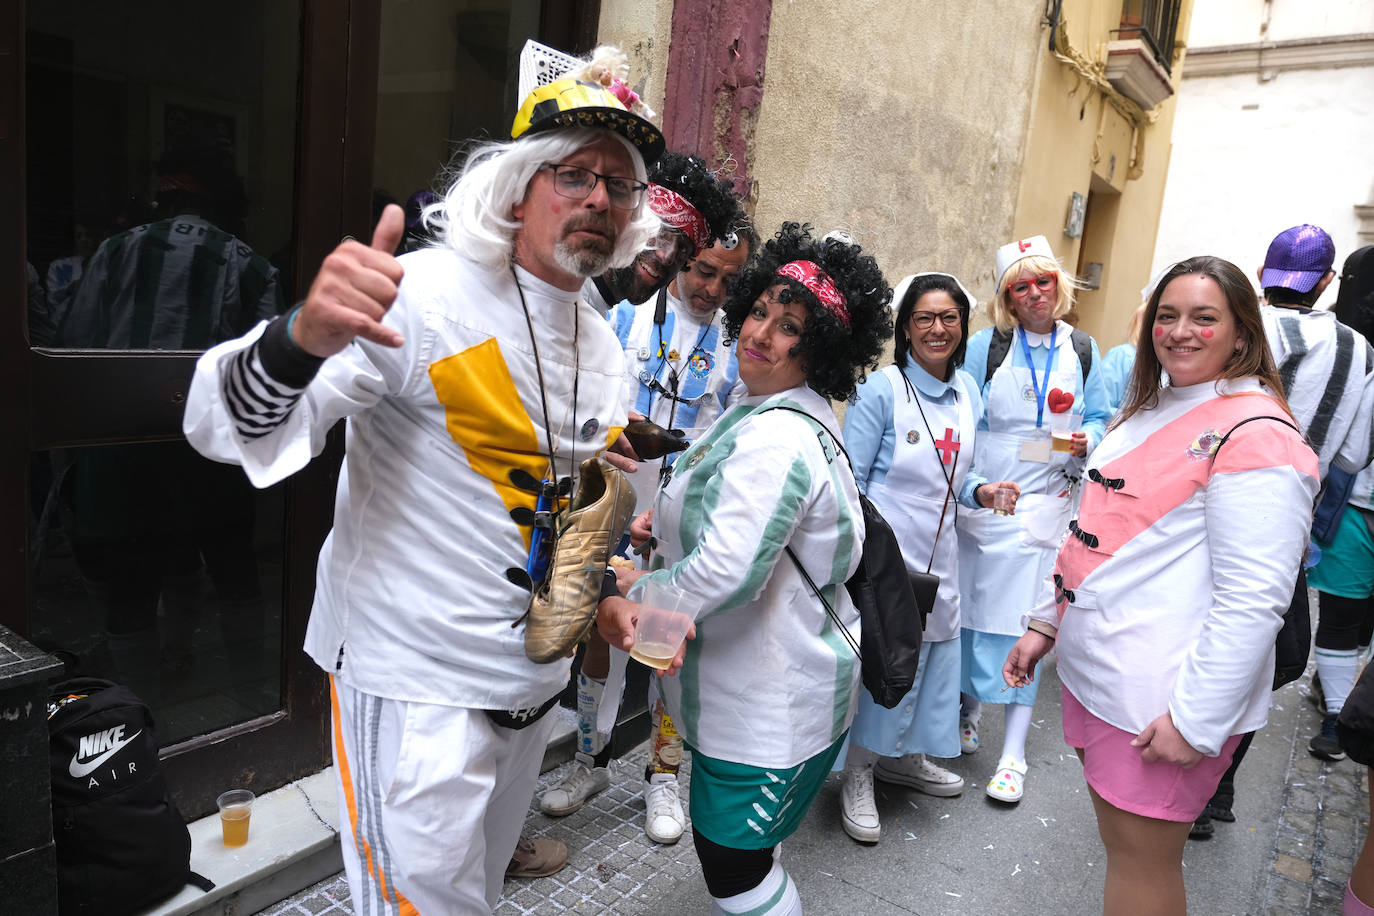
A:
835	356
918	287
690	177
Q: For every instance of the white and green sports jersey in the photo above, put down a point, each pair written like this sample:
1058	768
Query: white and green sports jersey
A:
769	680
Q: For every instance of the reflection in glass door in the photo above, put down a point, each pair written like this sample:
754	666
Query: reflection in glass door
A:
161	155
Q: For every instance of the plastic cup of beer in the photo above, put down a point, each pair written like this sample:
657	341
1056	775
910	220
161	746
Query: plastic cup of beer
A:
1003	500
665	616
235	810
1062	428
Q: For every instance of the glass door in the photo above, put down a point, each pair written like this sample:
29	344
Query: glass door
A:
156	180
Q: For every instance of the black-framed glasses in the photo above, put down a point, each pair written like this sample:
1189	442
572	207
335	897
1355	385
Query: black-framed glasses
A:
923	321
576	183
1021	288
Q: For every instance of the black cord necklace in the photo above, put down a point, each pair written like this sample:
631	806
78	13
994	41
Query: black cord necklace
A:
543	393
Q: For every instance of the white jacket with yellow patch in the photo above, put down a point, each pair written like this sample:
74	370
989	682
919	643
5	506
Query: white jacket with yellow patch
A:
412	600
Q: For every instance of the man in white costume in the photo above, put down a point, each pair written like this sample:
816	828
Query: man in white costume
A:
463	369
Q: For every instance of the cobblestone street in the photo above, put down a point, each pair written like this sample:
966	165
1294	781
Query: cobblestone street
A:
1300	825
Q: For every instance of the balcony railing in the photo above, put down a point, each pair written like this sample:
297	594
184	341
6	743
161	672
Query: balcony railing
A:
1154	22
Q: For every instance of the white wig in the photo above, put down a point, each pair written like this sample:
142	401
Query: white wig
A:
475	216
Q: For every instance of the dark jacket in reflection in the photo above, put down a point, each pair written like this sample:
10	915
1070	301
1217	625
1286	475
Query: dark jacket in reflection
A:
175	284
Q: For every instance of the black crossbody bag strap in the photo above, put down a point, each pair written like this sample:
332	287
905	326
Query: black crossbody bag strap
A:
830	611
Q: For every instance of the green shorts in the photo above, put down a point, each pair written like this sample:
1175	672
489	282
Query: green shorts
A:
745	807
1347	564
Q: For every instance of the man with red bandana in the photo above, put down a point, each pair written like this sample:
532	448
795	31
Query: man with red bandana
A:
678	371
696	209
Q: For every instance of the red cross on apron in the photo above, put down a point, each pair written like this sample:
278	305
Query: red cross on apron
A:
948	446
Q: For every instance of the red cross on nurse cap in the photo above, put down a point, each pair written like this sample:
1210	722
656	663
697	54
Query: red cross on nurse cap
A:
1010	253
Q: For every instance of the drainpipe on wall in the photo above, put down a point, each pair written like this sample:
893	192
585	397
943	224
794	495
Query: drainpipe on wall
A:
714	84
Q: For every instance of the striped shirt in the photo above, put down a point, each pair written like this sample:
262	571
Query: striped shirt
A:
176	284
1327	372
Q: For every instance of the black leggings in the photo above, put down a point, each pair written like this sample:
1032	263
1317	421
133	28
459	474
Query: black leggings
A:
731	871
1343	623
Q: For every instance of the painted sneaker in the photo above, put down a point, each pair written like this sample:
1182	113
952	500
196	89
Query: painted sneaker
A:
916	771
1008	784
563	609
664	820
858	808
968	735
580	783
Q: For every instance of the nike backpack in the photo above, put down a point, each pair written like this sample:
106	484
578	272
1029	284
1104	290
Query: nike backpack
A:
122	845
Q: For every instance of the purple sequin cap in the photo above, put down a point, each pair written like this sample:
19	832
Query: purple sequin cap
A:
1298	258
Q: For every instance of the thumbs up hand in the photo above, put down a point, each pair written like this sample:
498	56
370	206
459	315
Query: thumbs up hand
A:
355	286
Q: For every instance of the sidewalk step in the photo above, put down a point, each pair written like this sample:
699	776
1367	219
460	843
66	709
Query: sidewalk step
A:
293	843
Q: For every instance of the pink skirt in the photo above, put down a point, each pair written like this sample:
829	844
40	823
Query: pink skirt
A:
1114	770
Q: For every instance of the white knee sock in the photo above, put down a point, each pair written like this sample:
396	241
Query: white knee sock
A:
776	895
589	689
1018	723
1338	668
969	707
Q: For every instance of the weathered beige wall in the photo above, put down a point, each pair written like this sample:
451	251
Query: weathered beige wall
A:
935	132
640	28
900	121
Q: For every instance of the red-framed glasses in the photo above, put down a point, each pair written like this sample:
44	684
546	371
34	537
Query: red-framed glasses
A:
1045	282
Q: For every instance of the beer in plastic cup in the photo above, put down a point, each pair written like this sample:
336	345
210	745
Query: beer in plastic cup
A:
235	810
1003	500
666	614
1062	428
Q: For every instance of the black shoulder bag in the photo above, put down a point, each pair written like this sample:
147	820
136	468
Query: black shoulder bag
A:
890	618
1294	641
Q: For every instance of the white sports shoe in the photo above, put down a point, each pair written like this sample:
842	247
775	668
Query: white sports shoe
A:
858	809
919	773
583	780
663	817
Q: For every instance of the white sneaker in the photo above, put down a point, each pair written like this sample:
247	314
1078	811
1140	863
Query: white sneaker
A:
580	783
858	809
968	735
663	817
916	771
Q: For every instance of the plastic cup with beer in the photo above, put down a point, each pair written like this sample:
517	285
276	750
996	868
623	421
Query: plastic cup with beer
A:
1062	428
235	810
1003	500
665	616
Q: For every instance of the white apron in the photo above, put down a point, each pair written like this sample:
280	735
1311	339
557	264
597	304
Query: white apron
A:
1004	559
913	494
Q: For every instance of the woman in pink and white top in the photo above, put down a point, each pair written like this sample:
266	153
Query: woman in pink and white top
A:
1166	598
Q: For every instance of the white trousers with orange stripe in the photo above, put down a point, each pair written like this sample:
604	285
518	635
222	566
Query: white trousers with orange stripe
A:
431	799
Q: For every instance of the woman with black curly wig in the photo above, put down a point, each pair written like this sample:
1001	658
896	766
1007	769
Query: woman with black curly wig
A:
768	687
910	432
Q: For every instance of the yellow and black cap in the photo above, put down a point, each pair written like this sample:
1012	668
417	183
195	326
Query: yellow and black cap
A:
574	103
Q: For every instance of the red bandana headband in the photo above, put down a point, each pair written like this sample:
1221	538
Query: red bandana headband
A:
673	209
810	275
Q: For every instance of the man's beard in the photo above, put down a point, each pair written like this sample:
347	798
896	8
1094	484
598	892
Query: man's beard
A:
591	257
627	283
